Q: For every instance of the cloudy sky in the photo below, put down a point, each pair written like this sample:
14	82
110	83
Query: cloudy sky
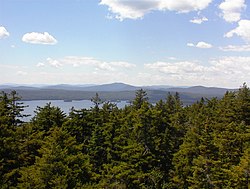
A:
139	42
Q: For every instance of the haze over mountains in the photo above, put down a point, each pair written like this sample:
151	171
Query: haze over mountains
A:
112	91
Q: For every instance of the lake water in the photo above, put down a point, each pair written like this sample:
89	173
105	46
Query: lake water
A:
64	106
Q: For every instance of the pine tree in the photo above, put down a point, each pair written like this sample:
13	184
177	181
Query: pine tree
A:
10	114
140	97
78	125
61	165
192	161
243	104
48	117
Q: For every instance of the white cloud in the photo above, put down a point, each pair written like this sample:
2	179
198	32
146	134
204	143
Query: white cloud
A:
80	77
22	73
3	32
243	30
242	48
183	6
104	66
201	44
132	9
54	63
231	9
177	67
123	64
172	58
238	66
204	45
199	20
39	38
82	74
190	44
224	72
40	64
8	66
76	61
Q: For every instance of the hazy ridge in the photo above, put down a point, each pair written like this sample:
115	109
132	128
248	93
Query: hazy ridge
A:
111	92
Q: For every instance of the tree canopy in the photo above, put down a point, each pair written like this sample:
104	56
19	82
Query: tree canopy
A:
143	145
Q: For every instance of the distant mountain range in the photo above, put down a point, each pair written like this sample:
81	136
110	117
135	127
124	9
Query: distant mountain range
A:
113	91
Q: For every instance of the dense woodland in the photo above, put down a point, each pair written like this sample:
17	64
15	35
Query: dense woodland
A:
165	145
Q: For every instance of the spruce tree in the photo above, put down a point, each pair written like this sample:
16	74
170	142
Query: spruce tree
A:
10	114
61	164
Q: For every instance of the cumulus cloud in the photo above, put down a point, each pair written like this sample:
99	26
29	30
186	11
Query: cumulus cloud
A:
190	45
40	64
199	20
3	32
130	9
123	64
201	44
54	63
76	61
184	6
231	9
220	72
82	74
235	48
39	38
137	9
243	30
176	68
22	73
238	66
204	45
8	66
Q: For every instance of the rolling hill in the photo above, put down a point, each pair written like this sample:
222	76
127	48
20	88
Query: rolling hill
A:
112	92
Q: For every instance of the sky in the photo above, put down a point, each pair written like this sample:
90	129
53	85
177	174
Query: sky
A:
138	42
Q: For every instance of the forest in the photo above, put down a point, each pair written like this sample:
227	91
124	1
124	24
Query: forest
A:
143	145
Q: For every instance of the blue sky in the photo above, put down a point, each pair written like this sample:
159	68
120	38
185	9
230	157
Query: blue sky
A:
139	42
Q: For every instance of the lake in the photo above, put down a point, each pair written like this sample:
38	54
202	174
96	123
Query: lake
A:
64	106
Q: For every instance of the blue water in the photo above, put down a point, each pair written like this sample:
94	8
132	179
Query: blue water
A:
64	106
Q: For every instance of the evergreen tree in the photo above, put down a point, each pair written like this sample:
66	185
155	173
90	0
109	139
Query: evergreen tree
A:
166	145
243	104
61	165
48	117
240	174
78	125
10	114
140	97
97	101
16	109
193	157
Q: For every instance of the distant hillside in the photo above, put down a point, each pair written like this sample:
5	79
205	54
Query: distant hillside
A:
68	87
201	90
86	87
112	87
112	92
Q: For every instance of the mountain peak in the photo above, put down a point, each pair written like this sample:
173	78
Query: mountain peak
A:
118	86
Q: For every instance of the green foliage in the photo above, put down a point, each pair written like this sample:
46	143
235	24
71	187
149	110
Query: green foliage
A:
140	98
61	165
10	114
48	117
165	145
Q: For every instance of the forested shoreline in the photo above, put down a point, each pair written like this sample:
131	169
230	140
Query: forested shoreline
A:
154	96
165	145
